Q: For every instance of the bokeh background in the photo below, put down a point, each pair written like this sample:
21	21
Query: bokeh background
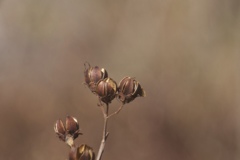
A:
185	54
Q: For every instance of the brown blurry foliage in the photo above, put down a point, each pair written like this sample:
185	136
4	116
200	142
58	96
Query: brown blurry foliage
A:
185	53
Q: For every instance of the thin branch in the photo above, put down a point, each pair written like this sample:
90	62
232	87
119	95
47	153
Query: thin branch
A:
119	109
103	111
101	105
105	133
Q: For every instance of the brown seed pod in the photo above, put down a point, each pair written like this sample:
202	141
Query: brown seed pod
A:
72	126
69	132
106	90
129	89
93	75
85	153
72	154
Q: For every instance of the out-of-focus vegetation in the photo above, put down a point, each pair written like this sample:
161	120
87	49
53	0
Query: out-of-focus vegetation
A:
186	55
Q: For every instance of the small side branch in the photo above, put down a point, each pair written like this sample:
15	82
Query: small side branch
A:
119	109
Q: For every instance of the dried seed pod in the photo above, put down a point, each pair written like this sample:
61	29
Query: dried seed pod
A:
93	75
106	90
72	154
68	133
129	89
72	126
85	153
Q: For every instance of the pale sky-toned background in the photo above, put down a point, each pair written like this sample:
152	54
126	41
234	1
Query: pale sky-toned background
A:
185	54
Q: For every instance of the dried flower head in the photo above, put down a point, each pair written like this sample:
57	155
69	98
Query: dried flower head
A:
68	133
129	89
106	90
93	75
83	152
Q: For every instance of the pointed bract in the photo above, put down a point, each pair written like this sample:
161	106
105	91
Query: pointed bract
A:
60	129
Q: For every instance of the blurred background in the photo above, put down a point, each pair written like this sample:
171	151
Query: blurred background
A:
185	54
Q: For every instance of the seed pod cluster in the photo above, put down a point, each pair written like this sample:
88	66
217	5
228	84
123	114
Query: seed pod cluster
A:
68	133
107	89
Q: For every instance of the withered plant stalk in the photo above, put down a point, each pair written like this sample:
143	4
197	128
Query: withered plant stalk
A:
106	116
105	132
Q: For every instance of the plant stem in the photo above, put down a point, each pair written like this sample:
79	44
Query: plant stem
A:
119	109
105	133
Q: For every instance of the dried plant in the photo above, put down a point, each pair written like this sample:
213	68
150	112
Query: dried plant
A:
106	89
